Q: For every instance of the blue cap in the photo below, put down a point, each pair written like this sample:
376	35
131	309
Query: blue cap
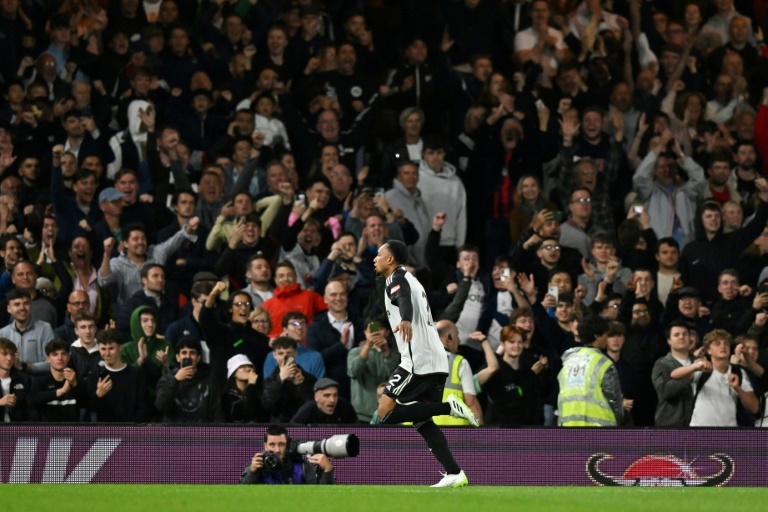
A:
110	194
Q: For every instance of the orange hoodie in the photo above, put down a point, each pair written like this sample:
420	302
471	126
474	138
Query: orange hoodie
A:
292	298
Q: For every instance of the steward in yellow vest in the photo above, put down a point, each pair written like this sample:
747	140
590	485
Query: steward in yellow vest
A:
590	394
452	387
458	366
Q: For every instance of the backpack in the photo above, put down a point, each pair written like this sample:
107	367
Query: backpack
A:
744	418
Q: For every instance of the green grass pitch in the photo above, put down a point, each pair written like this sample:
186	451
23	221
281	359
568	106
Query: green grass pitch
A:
369	498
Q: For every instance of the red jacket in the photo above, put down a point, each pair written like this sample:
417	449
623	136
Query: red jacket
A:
292	298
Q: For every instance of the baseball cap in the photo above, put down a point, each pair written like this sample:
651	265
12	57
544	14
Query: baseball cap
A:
688	291
204	276
44	283
110	194
325	382
236	362
152	31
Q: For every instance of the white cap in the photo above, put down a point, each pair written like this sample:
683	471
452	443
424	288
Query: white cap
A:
236	362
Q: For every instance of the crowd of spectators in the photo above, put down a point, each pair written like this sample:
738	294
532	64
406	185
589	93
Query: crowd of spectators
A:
192	194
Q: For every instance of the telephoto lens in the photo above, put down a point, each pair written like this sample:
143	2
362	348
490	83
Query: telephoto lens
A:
339	446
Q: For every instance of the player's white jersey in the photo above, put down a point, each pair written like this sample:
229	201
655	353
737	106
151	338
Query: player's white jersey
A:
425	353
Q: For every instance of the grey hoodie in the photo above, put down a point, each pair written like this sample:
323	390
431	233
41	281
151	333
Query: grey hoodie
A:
444	192
415	209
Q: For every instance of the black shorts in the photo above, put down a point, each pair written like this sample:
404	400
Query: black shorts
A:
406	387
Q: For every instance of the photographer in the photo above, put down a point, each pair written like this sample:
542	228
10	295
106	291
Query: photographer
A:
277	465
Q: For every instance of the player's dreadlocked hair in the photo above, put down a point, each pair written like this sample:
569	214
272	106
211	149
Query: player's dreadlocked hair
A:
399	251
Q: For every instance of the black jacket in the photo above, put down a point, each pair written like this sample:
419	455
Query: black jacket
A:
51	408
642	348
85	364
164	315
190	401
244	407
735	316
20	386
178	278
310	414
395	152
226	340
233	262
66	331
311	474
127	401
324	338
306	141
703	260
284	398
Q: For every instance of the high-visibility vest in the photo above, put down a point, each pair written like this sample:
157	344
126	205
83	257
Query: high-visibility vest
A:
581	402
452	387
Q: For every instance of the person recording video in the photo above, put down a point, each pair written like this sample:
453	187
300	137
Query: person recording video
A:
277	464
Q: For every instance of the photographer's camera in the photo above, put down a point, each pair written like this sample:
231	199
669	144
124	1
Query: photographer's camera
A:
272	461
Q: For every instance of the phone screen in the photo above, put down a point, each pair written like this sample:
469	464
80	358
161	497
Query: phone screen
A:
553	290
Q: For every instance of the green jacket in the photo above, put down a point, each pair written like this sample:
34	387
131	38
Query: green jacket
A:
365	375
130	352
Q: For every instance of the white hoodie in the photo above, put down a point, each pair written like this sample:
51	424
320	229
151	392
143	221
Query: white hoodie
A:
139	138
444	192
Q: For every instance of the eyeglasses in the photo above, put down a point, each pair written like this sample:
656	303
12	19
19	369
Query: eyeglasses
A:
260	320
582	200
81	304
641	312
298	323
614	306
552	247
241	303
